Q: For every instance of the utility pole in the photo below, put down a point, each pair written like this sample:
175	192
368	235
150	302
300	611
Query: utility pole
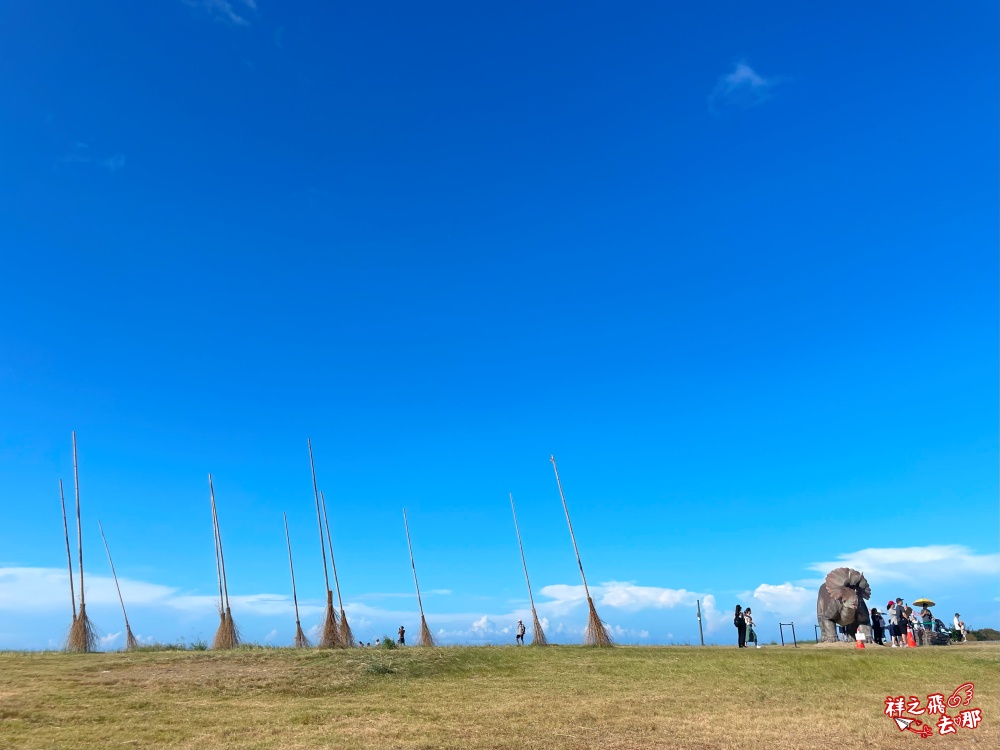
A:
701	633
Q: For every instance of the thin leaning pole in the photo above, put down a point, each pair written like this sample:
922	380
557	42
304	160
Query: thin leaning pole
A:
538	637
82	636
330	635
300	638
69	554
130	640
345	636
426	639
597	634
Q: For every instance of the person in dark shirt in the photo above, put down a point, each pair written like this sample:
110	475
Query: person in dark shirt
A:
402	636
741	627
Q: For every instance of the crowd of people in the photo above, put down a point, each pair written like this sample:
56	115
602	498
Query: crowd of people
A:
902	621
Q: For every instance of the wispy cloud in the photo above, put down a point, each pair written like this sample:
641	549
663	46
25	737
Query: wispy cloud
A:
229	11
740	89
80	154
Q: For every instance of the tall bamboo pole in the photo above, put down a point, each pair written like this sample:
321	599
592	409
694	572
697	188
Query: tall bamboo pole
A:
82	635
538	638
331	634
596	633
215	543
570	523
79	528
413	565
130	640
218	538
425	639
346	636
228	635
69	554
319	516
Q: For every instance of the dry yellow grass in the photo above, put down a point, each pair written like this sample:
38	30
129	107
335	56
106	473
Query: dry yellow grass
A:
561	697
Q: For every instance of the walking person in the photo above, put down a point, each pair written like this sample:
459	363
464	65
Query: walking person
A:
519	640
751	633
402	636
741	627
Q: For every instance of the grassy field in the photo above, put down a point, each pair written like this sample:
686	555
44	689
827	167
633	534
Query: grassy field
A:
560	697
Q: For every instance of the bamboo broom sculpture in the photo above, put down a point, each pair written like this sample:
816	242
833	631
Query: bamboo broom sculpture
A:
218	566
82	636
131	644
330	634
538	637
69	555
228	635
300	638
425	639
596	634
345	638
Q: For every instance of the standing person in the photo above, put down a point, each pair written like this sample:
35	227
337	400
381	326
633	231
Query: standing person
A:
520	634
878	627
741	627
926	618
895	623
402	636
960	626
751	633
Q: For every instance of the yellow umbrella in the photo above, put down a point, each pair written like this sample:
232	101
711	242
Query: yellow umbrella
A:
925	602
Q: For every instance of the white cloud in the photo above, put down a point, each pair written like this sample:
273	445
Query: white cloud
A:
108	639
928	565
742	88
47	589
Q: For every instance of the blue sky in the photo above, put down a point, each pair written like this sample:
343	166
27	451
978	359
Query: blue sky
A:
736	267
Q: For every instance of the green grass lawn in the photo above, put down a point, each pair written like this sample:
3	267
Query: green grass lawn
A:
465	697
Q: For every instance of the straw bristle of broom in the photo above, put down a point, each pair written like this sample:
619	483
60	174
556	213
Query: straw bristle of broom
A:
228	635
131	643
538	637
300	638
331	628
82	635
346	637
597	634
425	639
